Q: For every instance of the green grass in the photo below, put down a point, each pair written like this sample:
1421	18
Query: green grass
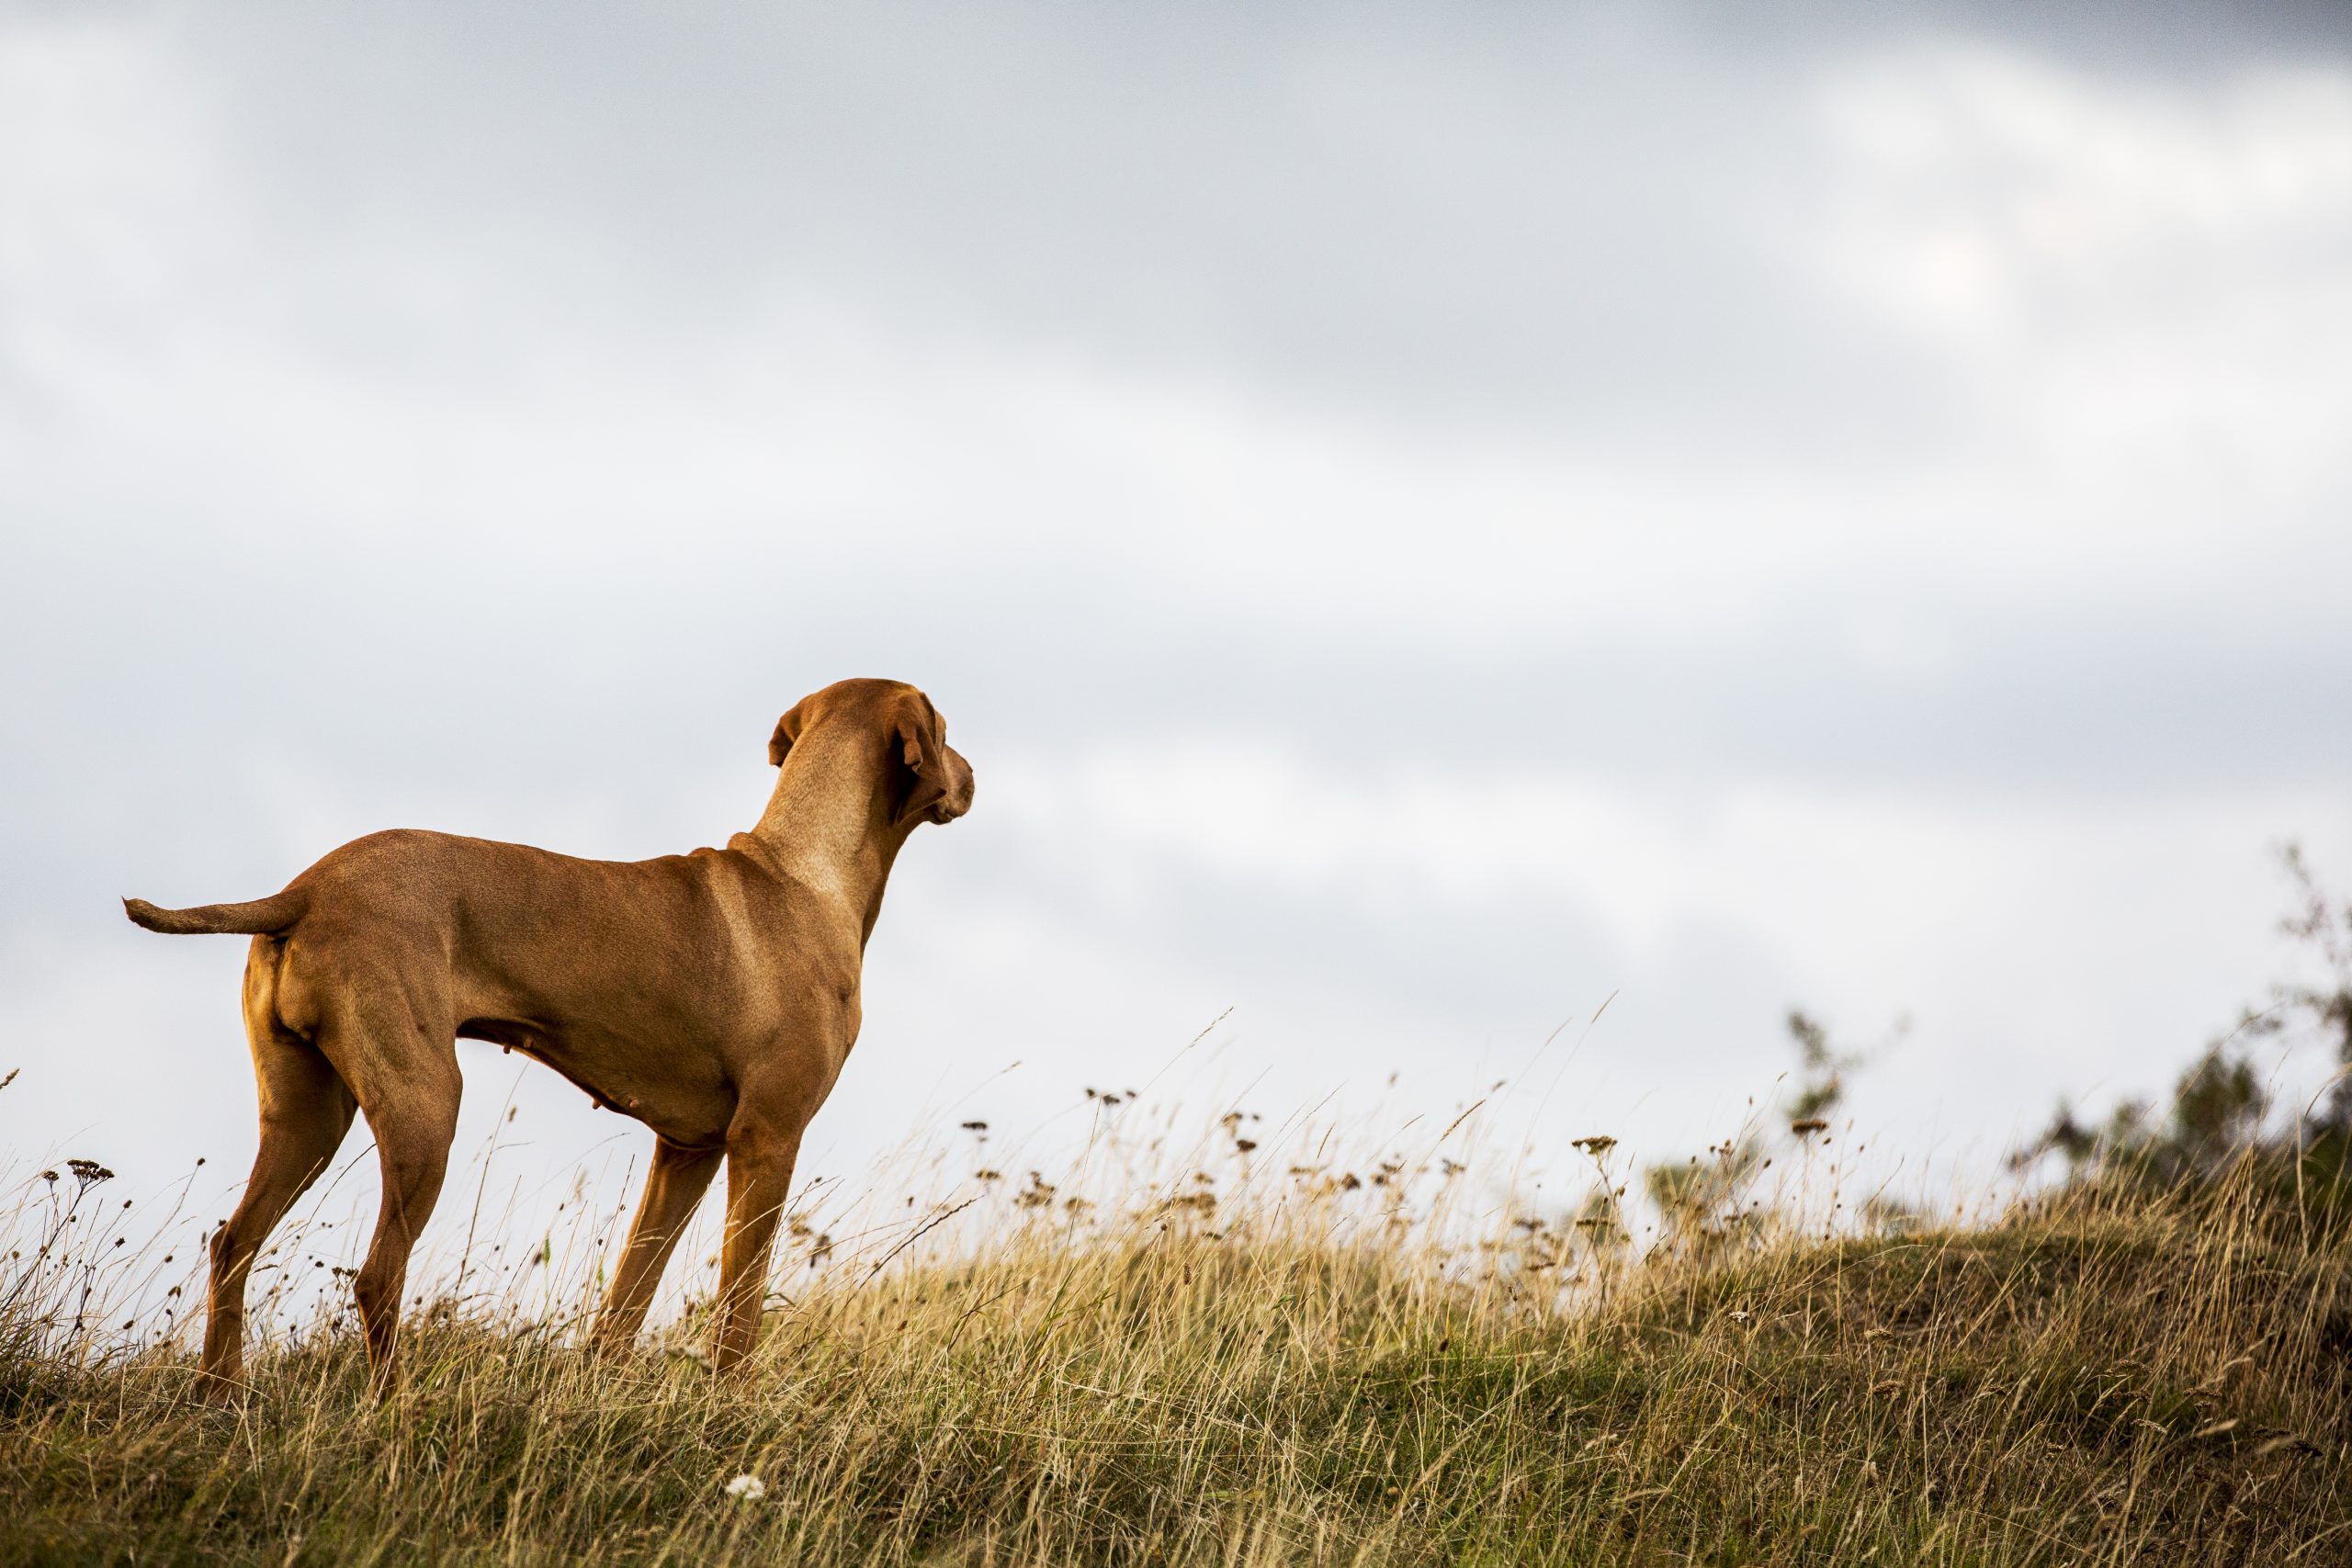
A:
2125	1381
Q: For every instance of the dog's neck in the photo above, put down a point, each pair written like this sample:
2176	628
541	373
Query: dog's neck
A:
830	823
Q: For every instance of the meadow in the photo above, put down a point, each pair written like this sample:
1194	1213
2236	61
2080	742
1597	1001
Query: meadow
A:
1242	1359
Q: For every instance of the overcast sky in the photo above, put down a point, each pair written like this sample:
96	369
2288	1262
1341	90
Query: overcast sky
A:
1424	520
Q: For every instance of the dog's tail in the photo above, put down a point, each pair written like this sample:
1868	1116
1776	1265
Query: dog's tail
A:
262	916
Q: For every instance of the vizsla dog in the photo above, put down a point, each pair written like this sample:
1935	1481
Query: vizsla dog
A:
713	996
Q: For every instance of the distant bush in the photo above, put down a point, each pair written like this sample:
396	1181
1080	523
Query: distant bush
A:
1712	1200
2220	1120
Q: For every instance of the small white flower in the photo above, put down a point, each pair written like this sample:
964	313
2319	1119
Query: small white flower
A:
749	1488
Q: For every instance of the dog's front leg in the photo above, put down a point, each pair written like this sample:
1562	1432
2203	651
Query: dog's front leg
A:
761	1147
673	1187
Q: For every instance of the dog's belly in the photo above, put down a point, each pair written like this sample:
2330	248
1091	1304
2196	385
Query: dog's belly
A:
689	1109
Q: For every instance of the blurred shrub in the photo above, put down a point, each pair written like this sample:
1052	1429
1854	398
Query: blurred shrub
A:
2222	1117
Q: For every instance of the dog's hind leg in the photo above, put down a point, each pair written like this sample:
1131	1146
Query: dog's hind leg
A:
414	1149
397	1048
673	1187
305	1111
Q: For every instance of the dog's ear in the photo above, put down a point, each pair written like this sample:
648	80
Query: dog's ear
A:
787	730
918	741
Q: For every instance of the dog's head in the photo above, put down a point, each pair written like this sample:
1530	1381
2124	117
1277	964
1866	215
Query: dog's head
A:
928	780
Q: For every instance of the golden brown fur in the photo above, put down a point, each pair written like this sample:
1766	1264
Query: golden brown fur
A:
713	996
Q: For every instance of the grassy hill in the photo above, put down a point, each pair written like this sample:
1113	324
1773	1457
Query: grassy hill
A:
2145	1379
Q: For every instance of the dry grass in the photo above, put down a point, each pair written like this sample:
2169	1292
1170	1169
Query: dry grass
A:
1318	1373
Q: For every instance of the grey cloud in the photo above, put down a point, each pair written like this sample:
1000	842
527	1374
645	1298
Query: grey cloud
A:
1564	231
1573	224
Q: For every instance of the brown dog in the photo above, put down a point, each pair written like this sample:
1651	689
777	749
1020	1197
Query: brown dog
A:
713	996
